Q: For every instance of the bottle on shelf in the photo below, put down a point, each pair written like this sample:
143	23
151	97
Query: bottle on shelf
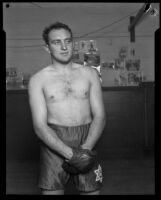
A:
92	57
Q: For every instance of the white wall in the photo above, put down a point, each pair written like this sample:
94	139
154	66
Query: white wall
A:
24	20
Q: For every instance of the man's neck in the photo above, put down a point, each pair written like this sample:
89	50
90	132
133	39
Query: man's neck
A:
62	67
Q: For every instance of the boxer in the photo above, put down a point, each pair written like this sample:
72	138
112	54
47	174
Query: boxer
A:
68	117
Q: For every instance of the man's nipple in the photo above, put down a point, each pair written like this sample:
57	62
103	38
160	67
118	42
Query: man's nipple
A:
51	97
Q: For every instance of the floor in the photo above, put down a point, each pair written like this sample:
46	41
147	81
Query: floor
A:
121	177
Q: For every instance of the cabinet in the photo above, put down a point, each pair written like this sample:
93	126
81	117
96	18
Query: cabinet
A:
21	141
129	130
123	135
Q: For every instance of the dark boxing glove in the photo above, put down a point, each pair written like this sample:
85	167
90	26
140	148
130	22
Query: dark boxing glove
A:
81	162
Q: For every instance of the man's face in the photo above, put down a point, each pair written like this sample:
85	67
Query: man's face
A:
60	45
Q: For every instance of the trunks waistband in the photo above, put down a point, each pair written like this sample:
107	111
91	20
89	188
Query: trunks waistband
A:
64	126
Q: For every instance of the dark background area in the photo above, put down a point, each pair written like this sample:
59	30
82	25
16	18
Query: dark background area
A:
126	147
129	131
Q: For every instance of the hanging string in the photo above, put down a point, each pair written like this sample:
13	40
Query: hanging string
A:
81	36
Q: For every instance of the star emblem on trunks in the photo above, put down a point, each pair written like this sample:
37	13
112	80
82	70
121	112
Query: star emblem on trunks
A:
98	173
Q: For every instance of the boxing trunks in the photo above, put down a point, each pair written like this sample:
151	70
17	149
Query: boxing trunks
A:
51	174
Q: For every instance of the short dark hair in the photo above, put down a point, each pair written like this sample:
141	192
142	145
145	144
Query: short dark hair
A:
56	26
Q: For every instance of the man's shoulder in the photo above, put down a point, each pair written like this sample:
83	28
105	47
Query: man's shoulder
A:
76	65
39	75
90	71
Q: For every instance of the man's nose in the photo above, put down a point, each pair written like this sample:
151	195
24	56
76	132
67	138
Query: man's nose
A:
63	46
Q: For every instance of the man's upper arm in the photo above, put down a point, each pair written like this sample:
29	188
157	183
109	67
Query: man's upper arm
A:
37	102
96	97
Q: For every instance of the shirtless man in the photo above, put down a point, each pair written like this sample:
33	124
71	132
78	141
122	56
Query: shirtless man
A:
67	108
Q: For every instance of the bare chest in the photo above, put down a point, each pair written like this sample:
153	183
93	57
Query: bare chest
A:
60	88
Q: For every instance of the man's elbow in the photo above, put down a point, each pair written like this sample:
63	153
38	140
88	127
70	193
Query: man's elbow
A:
38	128
101	117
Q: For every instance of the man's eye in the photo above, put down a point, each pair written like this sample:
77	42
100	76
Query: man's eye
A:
57	42
68	41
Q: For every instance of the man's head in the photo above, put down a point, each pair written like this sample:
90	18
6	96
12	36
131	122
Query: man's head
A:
59	42
55	26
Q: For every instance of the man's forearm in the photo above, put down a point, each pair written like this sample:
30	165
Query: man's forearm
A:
95	131
49	137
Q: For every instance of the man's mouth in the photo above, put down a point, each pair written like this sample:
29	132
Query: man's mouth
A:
64	53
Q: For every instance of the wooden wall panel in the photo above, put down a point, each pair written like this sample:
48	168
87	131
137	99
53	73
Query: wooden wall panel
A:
124	135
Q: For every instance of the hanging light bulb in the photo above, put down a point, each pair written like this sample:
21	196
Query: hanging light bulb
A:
7	5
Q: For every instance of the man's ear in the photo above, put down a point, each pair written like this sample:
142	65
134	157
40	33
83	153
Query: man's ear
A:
46	47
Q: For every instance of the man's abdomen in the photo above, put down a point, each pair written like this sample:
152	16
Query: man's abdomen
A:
69	113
